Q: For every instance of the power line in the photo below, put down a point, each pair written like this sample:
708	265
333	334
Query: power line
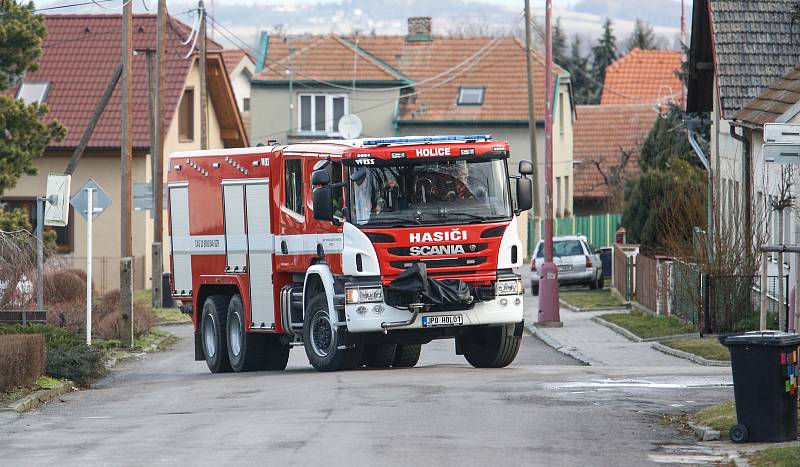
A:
58	7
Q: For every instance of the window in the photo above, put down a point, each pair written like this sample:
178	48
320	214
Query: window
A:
246	104
186	116
33	92
558	196
63	234
567	204
470	95
561	113
294	185
335	171
320	113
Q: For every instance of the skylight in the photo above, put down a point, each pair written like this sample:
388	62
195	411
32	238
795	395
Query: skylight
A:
470	95
31	91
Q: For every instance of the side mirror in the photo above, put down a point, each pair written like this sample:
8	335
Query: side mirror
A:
320	177
525	168
358	175
323	203
524	194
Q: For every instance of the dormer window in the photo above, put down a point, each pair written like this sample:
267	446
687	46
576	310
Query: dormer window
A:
33	92
470	95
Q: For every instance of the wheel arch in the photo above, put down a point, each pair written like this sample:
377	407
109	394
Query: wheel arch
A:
320	279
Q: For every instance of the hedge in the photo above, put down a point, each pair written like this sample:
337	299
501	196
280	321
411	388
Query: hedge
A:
22	360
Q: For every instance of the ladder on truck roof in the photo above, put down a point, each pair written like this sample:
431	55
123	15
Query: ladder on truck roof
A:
401	140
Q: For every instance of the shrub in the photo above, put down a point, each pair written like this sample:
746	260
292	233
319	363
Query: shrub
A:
22	360
68	356
80	363
64	285
106	316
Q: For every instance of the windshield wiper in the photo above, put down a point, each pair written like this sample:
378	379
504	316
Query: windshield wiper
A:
403	221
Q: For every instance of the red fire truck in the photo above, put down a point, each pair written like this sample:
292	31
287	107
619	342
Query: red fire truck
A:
359	250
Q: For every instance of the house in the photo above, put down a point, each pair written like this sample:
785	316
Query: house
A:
79	56
417	84
606	150
644	77
738	49
241	67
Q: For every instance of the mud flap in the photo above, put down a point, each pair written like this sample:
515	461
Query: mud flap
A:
519	328
199	355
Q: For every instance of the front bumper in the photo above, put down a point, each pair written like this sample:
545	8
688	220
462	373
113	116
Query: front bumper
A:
484	312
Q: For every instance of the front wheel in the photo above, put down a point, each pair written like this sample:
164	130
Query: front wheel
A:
490	346
321	339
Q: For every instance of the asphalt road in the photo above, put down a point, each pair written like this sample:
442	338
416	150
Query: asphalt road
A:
543	410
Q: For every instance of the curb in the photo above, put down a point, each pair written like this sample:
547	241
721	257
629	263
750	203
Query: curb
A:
571	307
704	433
688	356
550	342
37	398
633	337
174	323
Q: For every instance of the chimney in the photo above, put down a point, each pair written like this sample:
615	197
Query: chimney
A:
419	29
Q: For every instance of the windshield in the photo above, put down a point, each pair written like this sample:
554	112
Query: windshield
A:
432	192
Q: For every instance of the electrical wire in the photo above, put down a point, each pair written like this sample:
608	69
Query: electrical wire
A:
96	2
58	7
195	28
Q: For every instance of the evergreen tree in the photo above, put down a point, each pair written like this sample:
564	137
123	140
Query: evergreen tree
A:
669	171
23	134
559	45
604	53
642	37
583	88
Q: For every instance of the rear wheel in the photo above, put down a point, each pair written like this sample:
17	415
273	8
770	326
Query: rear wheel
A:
321	339
592	285
406	356
245	350
213	330
535	289
276	354
491	346
378	355
601	283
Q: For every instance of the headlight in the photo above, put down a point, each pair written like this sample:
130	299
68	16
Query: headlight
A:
364	295
509	287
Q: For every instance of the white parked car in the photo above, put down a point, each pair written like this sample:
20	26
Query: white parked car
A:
577	263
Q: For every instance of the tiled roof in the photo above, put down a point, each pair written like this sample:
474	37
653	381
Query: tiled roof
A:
438	68
643	77
756	42
80	55
772	103
326	58
601	133
232	57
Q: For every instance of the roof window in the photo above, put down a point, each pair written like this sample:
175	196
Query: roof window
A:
470	95
33	92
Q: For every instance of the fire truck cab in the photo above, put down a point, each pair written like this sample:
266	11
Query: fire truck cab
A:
359	250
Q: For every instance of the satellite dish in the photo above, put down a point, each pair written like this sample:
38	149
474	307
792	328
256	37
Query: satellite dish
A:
56	209
350	126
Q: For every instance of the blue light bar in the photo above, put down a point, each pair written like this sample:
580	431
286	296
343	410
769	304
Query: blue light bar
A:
425	139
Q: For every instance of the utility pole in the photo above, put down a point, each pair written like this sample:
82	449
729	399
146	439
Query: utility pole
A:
532	116
126	242
157	152
548	277
203	79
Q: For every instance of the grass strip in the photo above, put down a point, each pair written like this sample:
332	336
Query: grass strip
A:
708	348
776	457
590	299
649	326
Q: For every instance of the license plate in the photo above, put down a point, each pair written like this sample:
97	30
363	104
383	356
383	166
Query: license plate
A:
564	267
445	320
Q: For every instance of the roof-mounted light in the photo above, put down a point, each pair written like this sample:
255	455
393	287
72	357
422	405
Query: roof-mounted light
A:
426	140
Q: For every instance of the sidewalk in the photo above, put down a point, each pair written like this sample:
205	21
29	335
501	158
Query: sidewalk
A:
594	344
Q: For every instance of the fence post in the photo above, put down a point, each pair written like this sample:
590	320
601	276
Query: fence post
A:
608	228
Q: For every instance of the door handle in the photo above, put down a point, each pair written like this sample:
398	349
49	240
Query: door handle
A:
284	247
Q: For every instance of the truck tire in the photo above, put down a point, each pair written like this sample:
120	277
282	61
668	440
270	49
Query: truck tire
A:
491	346
321	342
276	354
378	355
214	333
246	351
406	356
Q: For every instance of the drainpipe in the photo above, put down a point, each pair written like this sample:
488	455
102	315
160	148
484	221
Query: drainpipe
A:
691	125
747	179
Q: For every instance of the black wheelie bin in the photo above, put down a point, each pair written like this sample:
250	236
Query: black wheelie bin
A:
764	365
